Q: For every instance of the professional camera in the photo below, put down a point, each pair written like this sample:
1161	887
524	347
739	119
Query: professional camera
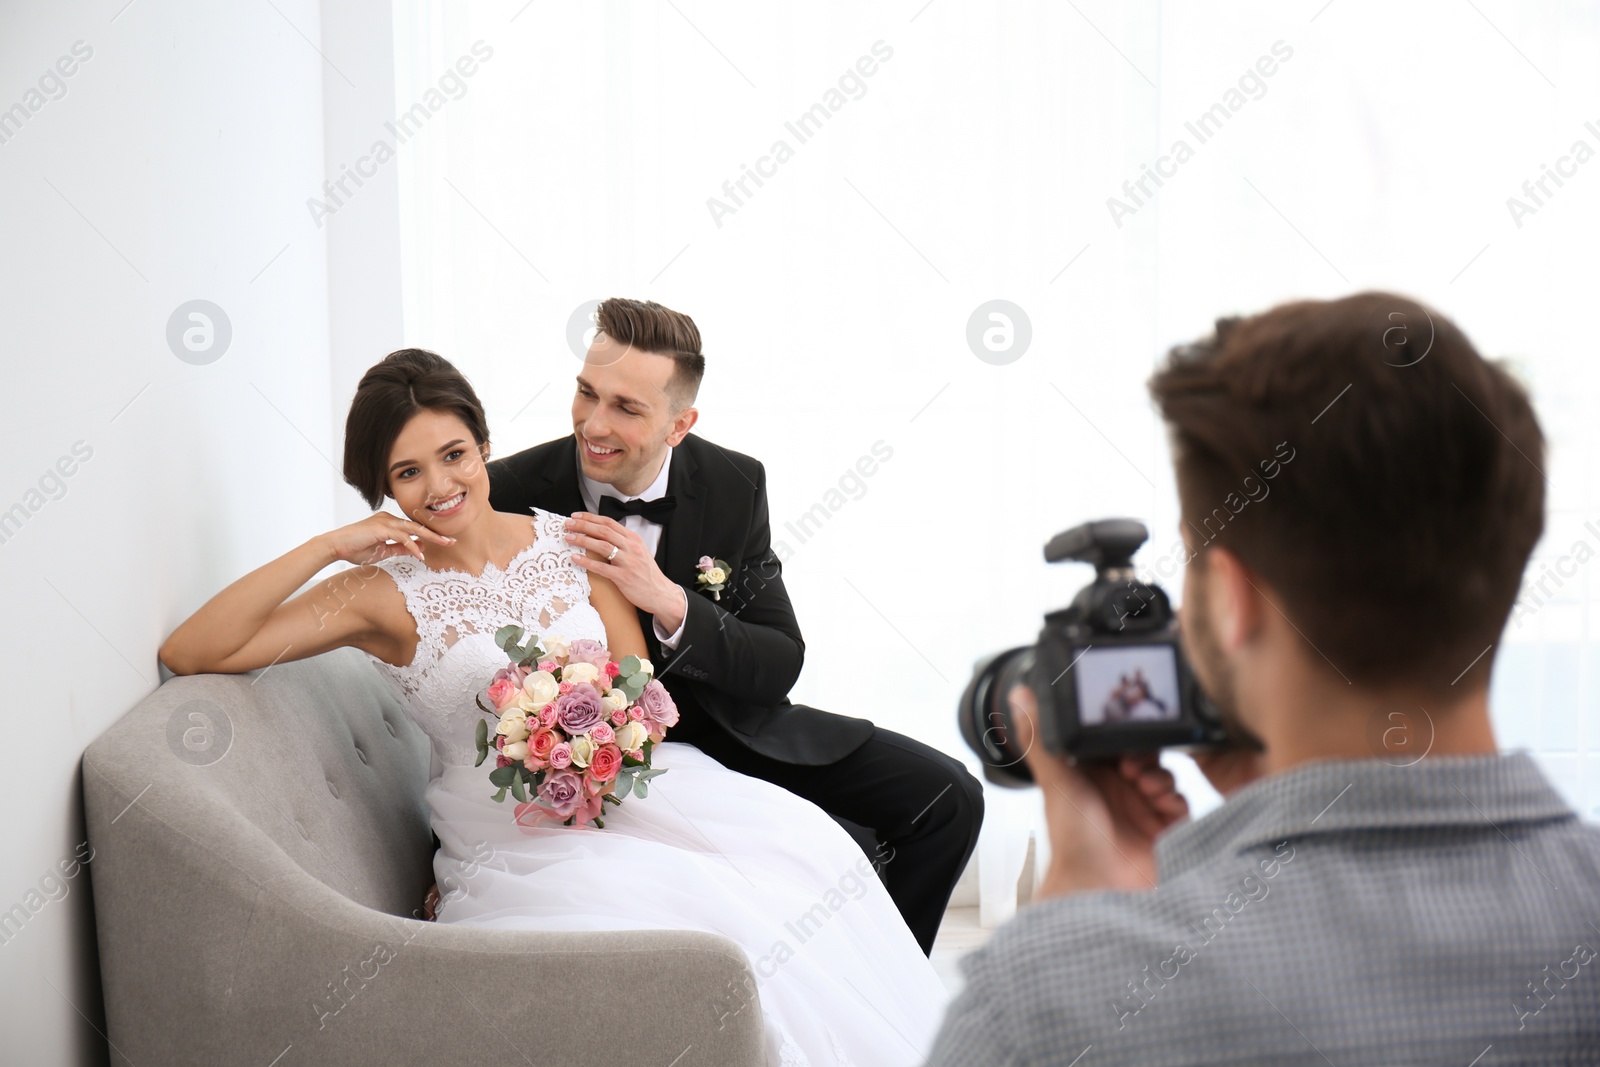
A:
1107	670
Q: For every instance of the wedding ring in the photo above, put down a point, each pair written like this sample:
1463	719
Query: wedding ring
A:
614	550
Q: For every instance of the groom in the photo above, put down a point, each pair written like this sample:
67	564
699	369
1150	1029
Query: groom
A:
655	498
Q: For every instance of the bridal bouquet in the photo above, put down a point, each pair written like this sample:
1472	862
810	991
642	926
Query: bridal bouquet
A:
574	728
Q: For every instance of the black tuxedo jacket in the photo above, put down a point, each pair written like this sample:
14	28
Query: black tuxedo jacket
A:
737	657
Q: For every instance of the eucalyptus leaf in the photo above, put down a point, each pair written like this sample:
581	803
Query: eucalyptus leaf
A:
508	636
517	790
641	789
638	679
501	795
503	775
629	665
624	786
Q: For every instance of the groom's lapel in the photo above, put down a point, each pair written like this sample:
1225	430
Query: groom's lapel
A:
680	546
554	486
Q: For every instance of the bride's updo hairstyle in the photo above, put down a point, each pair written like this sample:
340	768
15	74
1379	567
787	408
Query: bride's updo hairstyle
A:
390	394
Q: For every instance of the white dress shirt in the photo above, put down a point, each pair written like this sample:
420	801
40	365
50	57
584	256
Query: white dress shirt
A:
649	531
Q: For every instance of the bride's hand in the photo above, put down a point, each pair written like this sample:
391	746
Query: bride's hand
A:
378	537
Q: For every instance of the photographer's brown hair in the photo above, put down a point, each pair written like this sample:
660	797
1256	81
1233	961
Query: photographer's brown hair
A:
1396	535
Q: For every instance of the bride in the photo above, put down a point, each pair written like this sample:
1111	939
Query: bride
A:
839	977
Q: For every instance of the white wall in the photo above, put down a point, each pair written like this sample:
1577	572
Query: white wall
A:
976	164
175	167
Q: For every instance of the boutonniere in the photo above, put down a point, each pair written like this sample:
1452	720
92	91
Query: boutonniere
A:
713	576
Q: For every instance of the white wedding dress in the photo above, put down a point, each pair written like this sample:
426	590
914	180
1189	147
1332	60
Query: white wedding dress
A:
839	977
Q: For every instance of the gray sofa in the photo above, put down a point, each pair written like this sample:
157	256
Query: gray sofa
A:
261	848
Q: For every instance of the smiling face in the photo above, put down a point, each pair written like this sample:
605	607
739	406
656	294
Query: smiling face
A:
436	461
622	415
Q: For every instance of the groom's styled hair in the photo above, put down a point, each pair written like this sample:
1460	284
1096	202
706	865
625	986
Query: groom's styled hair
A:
649	327
1383	477
390	393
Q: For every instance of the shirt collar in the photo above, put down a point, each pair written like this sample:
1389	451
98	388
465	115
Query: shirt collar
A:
1334	796
593	490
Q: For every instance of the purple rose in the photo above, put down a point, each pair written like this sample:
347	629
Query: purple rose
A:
656	704
588	650
514	673
578	711
562	792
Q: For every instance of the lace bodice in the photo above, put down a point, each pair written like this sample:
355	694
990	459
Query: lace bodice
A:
457	614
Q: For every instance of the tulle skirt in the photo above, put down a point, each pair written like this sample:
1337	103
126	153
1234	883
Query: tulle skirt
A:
839	978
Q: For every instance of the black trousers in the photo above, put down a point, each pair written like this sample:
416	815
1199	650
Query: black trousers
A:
925	806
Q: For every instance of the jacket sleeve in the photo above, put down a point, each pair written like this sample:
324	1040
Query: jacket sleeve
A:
747	644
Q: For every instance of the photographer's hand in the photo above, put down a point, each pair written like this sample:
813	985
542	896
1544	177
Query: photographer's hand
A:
1103	818
1229	769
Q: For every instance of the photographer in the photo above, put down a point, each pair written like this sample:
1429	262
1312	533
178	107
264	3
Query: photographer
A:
1379	885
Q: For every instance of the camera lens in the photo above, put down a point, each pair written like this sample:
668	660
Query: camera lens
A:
985	717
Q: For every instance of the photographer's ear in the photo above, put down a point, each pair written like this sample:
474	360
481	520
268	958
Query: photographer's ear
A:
1234	599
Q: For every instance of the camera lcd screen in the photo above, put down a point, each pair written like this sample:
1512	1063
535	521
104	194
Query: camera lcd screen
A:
1136	683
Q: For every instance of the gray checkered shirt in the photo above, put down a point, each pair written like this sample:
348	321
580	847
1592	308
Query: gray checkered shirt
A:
1345	912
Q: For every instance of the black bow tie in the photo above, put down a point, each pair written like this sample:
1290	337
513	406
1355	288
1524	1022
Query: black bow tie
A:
655	510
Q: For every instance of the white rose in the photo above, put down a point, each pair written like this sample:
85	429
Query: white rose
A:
579	672
582	750
632	736
555	648
515	750
514	725
716	576
644	665
615	700
541	688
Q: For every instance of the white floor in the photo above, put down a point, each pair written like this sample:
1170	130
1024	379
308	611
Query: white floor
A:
958	935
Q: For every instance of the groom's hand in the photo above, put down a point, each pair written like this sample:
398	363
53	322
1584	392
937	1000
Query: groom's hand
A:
633	571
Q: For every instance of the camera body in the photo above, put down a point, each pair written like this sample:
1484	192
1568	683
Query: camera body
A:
1108	670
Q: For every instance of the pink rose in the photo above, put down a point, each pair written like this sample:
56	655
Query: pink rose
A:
602	734
549	666
501	761
540	744
656	703
561	755
634	714
564	687
588	650
547	716
613	669
706	563
503	691
618	717
605	763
